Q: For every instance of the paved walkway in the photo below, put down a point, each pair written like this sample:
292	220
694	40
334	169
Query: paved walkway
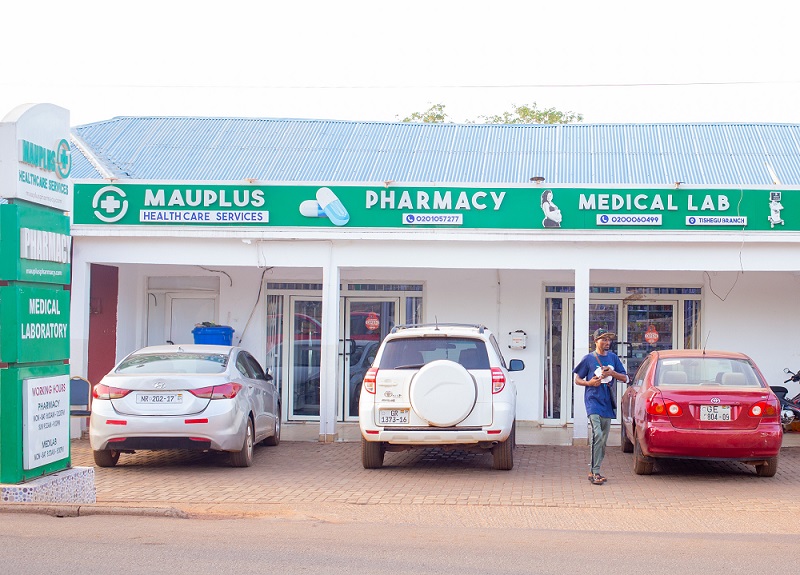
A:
544	476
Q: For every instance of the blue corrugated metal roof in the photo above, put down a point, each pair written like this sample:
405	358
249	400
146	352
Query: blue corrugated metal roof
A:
176	148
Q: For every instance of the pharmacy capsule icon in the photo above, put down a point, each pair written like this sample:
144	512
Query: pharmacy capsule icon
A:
311	209
332	206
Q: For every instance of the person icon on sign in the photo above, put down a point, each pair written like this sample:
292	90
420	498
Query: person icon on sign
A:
552	215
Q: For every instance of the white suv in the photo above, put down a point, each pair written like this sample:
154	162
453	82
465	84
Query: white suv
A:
441	385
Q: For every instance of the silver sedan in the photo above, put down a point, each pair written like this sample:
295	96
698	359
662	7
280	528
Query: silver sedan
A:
197	397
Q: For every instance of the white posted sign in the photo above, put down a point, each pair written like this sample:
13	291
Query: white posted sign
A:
35	156
45	420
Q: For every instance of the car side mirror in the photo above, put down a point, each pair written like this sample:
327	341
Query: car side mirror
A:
516	365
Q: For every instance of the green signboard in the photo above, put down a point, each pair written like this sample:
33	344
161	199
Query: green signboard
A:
426	207
34	429
34	323
35	244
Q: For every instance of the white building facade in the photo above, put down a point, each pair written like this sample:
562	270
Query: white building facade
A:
312	302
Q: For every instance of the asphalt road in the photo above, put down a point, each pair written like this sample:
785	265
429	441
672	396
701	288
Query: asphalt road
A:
404	539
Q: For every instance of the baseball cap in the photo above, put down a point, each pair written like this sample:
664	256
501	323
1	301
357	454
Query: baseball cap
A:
600	332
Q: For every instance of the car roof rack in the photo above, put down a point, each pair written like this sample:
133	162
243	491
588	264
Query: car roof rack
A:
437	325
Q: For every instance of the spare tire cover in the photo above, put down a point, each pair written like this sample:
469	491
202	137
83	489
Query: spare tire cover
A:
443	393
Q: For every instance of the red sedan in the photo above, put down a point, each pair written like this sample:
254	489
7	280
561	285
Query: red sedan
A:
698	404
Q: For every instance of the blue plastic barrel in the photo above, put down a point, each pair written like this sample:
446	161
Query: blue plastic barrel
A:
214	335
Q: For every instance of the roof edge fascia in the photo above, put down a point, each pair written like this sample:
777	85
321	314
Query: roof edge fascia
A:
88	152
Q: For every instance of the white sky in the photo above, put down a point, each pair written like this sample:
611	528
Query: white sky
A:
611	60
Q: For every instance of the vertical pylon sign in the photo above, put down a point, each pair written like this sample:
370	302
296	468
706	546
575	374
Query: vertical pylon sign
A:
35	243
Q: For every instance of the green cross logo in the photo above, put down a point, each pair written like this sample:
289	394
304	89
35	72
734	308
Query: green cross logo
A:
109	204
63	159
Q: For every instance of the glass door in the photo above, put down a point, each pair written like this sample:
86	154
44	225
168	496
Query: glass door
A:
649	327
367	322
553	359
603	314
304	333
642	325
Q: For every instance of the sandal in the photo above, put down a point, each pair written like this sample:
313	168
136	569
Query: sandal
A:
597	479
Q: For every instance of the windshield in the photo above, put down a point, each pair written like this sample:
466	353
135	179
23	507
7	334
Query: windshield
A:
413	353
174	363
706	371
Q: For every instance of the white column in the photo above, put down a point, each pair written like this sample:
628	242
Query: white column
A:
330	349
580	428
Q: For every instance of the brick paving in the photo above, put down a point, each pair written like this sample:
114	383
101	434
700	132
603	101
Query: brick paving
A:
544	476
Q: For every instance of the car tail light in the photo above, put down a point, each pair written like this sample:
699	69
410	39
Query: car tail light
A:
658	407
498	380
764	409
224	391
101	391
370	379
674	409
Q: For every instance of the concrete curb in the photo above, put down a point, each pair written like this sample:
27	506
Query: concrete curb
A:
63	510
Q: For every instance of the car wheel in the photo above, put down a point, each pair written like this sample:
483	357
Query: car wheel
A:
641	465
768	469
627	445
372	453
443	393
275	438
244	458
503	452
106	457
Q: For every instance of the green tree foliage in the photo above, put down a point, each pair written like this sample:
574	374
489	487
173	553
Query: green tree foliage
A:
433	115
525	114
533	115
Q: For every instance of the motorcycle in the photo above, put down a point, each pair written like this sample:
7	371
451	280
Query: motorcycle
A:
790	408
